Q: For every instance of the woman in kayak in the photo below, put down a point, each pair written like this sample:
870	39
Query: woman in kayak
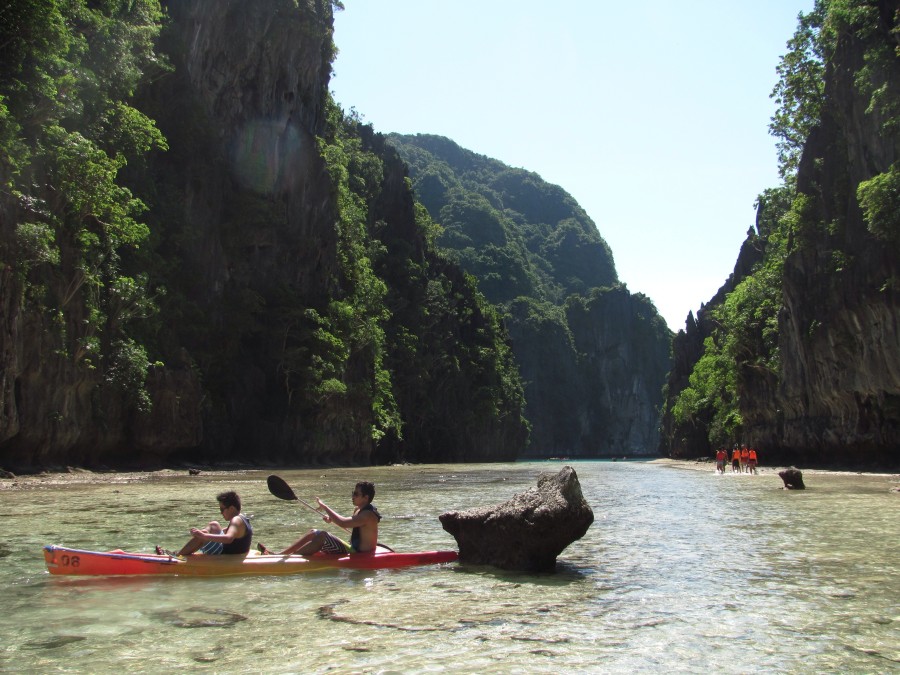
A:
364	521
212	539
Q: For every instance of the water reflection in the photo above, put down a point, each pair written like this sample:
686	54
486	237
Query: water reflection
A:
682	571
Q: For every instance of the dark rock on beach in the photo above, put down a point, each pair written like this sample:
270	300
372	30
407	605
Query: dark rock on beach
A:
793	479
527	532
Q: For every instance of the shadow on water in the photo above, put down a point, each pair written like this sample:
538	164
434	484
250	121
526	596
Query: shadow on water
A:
566	573
199	617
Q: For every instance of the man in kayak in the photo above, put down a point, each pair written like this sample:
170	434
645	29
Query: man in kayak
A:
212	539
364	521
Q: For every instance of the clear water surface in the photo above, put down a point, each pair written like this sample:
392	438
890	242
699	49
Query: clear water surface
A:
682	571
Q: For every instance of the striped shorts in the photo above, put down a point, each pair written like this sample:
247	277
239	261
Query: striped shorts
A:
212	548
334	545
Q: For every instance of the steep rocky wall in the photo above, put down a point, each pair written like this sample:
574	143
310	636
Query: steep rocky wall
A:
594	387
836	398
624	353
241	108
259	205
55	410
840	328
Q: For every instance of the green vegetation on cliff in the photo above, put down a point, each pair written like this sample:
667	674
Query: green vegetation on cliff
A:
518	235
67	128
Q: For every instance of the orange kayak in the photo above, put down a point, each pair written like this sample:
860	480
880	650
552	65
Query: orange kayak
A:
73	561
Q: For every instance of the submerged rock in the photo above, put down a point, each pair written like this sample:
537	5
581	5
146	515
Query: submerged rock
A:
527	532
793	479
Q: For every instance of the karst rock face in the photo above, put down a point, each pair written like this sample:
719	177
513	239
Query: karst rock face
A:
593	356
238	96
258	200
529	531
839	395
836	398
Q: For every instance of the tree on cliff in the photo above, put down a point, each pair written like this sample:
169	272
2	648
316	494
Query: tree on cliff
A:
67	128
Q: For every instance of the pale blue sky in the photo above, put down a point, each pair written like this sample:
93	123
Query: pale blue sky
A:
653	115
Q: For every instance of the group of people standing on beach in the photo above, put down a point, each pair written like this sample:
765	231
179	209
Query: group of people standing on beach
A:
743	459
234	537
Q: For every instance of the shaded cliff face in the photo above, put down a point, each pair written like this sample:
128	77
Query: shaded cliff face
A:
839	394
242	111
241	122
624	353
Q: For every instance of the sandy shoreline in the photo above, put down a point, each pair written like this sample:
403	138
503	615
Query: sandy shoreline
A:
86	477
710	465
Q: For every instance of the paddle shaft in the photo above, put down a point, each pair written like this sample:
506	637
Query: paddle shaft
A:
312	508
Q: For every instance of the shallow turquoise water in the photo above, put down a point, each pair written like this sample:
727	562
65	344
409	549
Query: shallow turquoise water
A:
682	571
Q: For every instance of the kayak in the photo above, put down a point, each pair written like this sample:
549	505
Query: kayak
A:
73	561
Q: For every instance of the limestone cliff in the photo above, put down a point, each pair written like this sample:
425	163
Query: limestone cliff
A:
593	356
303	316
839	395
835	397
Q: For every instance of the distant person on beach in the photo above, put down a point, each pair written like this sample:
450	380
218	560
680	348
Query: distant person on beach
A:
212	539
736	460
745	458
364	521
752	461
721	458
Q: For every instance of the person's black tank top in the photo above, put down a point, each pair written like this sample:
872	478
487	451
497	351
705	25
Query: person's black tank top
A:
355	535
241	545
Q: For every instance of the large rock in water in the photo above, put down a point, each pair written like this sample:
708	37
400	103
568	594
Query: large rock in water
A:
527	532
793	479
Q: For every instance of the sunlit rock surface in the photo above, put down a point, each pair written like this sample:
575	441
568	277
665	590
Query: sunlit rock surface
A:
529	531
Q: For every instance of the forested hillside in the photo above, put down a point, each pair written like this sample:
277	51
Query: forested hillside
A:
202	258
799	352
593	356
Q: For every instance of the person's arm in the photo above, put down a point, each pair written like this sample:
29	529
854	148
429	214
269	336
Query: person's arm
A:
356	520
235	530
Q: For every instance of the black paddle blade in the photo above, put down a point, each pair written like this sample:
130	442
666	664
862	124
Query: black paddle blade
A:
280	489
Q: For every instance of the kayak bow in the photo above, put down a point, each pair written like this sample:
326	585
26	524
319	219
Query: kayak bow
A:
72	561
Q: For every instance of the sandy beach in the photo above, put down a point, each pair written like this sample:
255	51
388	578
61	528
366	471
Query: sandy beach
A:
710	466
